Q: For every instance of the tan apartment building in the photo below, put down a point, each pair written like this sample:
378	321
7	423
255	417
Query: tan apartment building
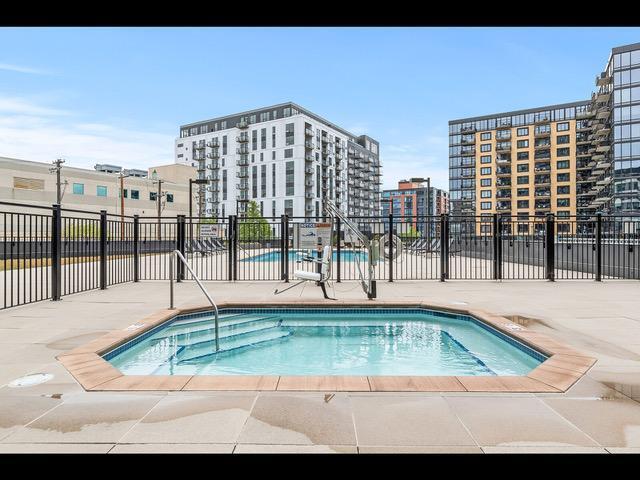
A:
23	181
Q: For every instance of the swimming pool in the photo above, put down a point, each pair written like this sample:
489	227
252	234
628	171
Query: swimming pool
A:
345	256
325	341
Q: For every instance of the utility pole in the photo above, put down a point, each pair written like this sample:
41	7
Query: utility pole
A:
122	176
57	168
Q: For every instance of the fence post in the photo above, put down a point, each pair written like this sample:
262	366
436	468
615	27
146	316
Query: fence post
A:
444	246
497	248
180	240
390	233
598	247
282	235
56	252
339	264
286	248
230	235
236	239
103	249
550	246
136	252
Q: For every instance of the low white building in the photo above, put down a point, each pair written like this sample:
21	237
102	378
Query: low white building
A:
24	181
284	158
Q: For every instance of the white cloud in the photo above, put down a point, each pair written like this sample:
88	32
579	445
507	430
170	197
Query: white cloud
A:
32	132
20	69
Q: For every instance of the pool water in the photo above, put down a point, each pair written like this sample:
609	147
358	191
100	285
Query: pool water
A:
345	256
325	342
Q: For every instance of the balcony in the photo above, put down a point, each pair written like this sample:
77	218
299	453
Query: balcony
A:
308	170
502	158
242	138
213	155
468	152
543	205
243	173
308	132
243	161
308	145
503	147
543	167
339	156
242	149
541	120
543	192
471	129
584	114
503	194
200	146
308	183
215	165
537	145
603	113
539	132
603	79
242	124
309	195
242	186
542	155
542	179
502	171
503	124
503	182
503	206
213	143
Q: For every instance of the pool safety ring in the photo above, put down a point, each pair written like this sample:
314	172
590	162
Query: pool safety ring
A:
385	243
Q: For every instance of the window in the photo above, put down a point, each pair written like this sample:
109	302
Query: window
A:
485	171
318	181
78	188
560	139
564	189
288	153
224	184
289	134
261	156
101	191
273	155
521	132
485	136
273	139
224	145
288	208
263	138
273	208
485	205
485	147
563	177
523	167
563	164
290	180
562	202
523	192
524	180
126	193
485	193
254	139
523	156
153	196
485	182
523	203
523	143
135	194
169	197
563	213
254	181
562	127
562	152
263	181
273	184
485	159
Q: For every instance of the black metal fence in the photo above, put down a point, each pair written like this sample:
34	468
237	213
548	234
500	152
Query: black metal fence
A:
48	252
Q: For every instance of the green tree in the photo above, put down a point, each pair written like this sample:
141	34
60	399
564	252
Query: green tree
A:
410	232
254	226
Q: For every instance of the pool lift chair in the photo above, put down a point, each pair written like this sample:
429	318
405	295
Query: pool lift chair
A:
320	277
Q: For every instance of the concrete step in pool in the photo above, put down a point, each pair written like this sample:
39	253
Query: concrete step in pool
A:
226	332
233	342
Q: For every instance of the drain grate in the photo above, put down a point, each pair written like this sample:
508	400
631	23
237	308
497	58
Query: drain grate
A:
31	380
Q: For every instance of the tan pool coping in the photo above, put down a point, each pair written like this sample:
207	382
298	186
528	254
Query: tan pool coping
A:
563	367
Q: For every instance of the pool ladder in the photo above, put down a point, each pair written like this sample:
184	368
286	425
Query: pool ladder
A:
176	254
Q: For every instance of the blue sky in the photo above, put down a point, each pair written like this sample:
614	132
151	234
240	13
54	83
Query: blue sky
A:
118	95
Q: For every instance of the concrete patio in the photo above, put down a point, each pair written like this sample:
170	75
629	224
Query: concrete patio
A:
600	413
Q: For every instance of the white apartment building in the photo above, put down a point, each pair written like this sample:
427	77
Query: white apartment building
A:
284	158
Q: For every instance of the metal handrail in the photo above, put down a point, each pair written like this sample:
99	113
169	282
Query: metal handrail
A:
176	253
